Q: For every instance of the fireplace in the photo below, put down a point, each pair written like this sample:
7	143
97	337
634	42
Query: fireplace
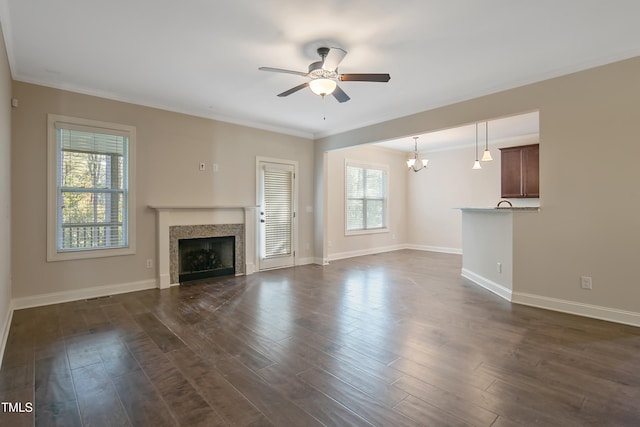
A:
197	235
193	222
206	257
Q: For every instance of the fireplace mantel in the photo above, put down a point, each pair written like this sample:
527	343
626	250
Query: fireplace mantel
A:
177	215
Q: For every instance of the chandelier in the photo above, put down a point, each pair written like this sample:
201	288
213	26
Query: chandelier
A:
416	164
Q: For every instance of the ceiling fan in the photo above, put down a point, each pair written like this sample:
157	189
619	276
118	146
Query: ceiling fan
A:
324	75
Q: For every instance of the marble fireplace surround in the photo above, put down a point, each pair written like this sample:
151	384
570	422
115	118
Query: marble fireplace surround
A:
178	232
174	222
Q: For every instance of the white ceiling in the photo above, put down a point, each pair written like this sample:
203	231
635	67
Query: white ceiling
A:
201	57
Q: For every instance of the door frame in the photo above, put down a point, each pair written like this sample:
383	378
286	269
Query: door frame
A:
259	229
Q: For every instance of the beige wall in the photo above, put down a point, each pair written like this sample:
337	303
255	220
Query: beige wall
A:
5	190
588	224
339	245
169	148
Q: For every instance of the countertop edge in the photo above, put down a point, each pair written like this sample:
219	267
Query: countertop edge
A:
501	209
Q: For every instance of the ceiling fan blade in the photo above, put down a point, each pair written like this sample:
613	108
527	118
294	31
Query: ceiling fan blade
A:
333	58
340	95
294	89
365	77
280	70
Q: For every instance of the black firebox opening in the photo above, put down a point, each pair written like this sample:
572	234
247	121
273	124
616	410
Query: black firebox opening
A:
203	258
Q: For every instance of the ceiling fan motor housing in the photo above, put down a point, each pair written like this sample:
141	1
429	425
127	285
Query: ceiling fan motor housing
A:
317	72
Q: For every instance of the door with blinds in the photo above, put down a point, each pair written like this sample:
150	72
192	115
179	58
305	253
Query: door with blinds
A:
277	214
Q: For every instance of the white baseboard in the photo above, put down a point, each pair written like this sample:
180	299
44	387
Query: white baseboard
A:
249	268
555	304
441	249
363	252
164	282
578	308
500	290
79	294
305	261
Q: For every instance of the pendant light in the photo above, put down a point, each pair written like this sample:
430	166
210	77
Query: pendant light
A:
416	164
476	164
486	156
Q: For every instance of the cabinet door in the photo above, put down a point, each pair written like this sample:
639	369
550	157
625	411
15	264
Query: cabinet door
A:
519	168
511	172
531	175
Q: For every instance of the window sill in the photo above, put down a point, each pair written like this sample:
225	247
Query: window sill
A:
370	231
53	256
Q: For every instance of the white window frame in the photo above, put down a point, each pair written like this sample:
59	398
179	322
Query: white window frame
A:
52	189
367	165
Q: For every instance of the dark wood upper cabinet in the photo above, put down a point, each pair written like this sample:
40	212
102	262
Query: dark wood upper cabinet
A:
520	171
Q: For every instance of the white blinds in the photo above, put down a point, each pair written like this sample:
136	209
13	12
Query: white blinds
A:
366	192
278	211
92	188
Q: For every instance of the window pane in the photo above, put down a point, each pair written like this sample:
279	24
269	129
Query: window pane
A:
355	182
91	208
375	183
375	213
84	170
355	214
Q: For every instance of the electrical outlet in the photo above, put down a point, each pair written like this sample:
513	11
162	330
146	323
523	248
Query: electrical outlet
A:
149	263
201	167
585	282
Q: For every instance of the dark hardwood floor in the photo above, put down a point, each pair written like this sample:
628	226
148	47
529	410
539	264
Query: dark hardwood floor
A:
396	339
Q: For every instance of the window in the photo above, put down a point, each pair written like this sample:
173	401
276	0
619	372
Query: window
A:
366	198
91	205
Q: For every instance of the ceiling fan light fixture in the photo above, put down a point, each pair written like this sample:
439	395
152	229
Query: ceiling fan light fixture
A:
322	87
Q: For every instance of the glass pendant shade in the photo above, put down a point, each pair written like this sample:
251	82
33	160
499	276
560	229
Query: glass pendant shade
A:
322	87
476	165
486	156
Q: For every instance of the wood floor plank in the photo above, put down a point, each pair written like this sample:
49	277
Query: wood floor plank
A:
320	406
141	401
456	406
234	408
98	401
272	403
359	402
164	338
